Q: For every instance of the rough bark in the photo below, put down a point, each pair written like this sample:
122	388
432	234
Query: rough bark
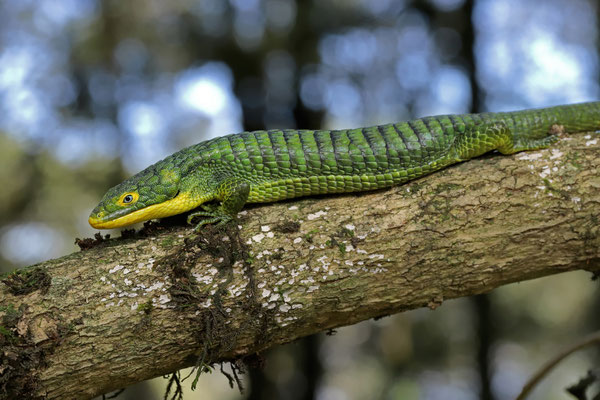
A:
132	309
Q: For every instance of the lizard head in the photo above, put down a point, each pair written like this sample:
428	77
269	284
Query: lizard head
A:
152	193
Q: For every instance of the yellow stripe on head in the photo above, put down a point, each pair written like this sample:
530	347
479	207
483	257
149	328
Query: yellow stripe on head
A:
177	205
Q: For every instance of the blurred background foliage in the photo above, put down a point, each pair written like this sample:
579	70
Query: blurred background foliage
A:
92	91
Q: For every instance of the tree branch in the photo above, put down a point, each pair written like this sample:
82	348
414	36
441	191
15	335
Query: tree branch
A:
132	309
593	338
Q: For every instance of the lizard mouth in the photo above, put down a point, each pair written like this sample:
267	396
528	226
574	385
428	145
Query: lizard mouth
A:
182	202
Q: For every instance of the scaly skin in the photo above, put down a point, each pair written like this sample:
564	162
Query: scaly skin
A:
265	166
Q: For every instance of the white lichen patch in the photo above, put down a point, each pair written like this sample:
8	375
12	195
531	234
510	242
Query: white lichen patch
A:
274	297
378	270
236	291
324	262
281	281
312	288
286	296
556	153
206	279
161	302
126	286
292	208
258	238
350	227
285	308
155	286
545	172
265	228
531	156
263	253
117	267
297	240
207	303
316	215
238	268
591	142
309	279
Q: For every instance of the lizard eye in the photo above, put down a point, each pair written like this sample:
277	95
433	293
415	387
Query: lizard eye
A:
128	198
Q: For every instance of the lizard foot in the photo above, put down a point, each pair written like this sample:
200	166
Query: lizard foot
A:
214	215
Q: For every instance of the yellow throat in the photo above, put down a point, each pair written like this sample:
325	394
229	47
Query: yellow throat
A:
177	205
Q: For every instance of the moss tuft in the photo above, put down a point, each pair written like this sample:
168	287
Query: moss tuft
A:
25	281
287	227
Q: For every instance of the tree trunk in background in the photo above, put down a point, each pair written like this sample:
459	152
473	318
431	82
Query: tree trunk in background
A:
483	304
131	309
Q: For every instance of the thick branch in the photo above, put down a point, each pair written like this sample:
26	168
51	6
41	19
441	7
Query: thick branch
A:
137	308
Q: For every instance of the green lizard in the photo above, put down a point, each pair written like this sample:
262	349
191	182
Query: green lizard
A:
266	166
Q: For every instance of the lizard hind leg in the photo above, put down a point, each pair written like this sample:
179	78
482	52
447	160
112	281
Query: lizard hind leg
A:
529	144
481	138
485	137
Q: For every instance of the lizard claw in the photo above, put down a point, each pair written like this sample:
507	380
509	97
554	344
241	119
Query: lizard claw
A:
213	214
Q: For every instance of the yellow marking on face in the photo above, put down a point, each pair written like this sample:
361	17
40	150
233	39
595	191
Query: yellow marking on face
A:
177	205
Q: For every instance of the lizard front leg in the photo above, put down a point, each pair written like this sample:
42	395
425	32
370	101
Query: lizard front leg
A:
233	193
